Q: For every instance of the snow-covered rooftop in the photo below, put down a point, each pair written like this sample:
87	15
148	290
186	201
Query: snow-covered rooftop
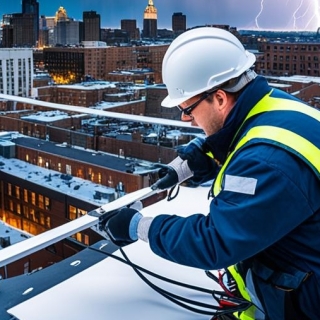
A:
77	187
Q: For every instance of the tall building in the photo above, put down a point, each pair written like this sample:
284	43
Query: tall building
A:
18	30
69	32
91	25
16	71
179	23
130	26
46	32
150	21
32	7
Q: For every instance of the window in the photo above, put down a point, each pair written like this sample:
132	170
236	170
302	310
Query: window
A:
68	169
18	208
72	214
47	203
17	188
25	195
40	201
75	213
9	189
33	198
11	205
25	211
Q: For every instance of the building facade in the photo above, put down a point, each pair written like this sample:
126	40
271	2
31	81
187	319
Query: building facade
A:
32	7
69	32
91	26
16	71
71	65
18	30
179	23
130	26
288	58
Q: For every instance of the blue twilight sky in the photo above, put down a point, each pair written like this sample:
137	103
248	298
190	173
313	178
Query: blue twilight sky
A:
243	14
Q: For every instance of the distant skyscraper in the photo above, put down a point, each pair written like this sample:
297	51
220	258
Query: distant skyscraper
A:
179	23
150	21
91	25
130	26
18	30
69	32
32	7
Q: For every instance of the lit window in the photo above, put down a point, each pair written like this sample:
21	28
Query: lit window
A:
40	201
33	198
17	192
25	195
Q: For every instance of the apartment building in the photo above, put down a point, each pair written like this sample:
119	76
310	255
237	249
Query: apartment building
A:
16	71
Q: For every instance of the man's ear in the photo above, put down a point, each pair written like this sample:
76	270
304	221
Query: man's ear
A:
221	97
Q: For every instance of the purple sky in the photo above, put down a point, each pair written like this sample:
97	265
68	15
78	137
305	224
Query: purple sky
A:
243	14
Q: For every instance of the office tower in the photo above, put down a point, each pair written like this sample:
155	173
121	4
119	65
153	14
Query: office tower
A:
46	32
16	71
69	32
91	25
32	7
130	26
179	24
18	30
150	21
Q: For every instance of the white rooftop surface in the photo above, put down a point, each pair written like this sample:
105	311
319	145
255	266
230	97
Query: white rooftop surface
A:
112	290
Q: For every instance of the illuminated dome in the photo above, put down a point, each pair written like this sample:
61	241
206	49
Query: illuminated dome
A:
151	11
61	14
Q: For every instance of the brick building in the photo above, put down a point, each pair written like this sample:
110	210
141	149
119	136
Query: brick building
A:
72	65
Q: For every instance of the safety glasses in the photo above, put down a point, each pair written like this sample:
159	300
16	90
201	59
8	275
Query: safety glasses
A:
187	111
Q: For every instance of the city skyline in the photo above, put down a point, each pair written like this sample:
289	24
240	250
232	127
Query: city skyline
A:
263	14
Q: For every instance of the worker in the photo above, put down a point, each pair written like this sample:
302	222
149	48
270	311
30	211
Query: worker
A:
261	147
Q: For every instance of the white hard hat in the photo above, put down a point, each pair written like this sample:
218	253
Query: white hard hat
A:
201	59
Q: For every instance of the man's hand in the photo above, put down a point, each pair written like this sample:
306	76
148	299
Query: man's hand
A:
203	167
192	163
122	227
168	177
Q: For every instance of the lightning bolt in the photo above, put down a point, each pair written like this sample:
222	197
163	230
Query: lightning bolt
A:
305	16
295	13
259	14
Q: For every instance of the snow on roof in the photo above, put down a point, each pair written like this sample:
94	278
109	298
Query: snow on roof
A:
15	235
297	78
46	116
77	187
279	85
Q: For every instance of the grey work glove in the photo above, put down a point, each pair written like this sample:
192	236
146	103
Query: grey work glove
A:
203	166
171	174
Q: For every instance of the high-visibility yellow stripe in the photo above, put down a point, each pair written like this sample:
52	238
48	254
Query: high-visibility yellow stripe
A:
268	103
248	314
276	104
285	137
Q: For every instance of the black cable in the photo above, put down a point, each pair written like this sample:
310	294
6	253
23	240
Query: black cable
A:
218	310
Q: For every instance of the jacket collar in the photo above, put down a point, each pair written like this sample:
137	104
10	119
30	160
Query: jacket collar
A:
219	143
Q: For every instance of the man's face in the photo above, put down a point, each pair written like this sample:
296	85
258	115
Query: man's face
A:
207	112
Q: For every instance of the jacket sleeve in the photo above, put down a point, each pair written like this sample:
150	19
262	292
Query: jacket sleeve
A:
242	223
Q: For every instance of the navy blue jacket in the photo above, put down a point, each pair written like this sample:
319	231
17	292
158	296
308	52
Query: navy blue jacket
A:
279	225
